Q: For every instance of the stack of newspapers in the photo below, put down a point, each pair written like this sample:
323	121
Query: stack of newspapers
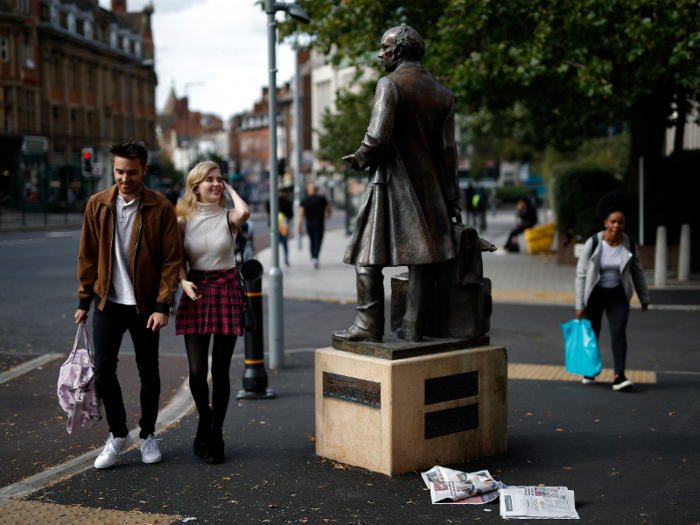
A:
538	503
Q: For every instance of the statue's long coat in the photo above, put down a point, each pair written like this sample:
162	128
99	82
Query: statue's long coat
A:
410	149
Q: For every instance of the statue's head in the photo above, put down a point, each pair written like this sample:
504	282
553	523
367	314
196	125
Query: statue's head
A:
400	44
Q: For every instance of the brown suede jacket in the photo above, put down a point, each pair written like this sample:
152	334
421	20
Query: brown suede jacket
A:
155	252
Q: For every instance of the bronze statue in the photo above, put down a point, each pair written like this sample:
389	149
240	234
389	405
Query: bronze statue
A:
413	193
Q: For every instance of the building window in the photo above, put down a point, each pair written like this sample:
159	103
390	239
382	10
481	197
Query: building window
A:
137	49
29	57
125	44
53	13
87	29
4	49
113	38
71	22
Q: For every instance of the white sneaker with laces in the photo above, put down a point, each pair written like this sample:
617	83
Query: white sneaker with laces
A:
113	448
588	380
149	450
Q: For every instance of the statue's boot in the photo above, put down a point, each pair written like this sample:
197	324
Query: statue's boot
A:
369	323
418	301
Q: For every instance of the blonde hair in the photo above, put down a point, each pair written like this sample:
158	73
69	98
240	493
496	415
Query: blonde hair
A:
188	206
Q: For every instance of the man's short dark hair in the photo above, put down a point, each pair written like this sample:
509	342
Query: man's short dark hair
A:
130	149
410	42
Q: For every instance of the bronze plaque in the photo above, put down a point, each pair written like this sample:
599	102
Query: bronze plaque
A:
448	388
352	390
451	421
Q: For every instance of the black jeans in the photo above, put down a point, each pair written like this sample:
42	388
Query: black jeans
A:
517	231
315	238
614	302
108	328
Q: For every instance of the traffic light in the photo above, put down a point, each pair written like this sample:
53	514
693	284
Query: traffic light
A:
86	160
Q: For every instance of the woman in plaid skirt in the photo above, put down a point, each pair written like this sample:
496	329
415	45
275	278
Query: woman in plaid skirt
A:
213	298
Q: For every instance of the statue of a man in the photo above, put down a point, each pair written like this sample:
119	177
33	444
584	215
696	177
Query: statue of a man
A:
413	193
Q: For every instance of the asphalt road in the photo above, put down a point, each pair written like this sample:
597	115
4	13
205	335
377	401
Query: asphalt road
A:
630	457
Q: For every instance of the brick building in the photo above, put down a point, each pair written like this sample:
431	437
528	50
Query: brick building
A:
73	76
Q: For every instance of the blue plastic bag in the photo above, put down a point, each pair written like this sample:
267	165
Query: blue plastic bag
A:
582	352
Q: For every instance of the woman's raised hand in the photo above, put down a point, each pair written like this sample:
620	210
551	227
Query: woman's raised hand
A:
227	187
190	289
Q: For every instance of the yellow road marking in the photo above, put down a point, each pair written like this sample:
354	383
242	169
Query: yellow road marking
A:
37	512
559	373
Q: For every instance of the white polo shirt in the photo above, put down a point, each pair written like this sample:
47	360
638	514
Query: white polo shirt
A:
121	289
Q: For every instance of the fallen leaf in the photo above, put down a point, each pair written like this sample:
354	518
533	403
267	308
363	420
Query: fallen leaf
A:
560	430
227	479
165	506
672	413
597	420
614	473
529	414
311	438
569	468
272	506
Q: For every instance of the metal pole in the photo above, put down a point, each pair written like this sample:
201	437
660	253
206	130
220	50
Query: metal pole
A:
641	201
684	254
297	144
275	321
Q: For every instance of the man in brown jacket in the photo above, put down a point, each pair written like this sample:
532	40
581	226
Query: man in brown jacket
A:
130	255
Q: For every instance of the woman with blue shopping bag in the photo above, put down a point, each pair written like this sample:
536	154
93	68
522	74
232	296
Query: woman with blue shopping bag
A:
609	270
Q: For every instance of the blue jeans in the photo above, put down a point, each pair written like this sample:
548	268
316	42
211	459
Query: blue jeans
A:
617	307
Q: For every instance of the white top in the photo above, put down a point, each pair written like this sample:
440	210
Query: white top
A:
610	262
121	288
208	239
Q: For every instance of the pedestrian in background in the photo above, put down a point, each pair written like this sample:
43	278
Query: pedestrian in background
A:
527	218
213	298
315	209
609	270
285	212
129	259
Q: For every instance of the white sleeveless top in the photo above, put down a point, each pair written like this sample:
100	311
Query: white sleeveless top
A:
208	239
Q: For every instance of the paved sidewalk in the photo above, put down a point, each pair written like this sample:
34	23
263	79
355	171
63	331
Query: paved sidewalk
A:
515	276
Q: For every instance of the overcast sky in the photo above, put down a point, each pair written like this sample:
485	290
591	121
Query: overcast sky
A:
222	43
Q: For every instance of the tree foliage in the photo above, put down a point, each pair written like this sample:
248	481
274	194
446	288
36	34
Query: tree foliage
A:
542	72
343	130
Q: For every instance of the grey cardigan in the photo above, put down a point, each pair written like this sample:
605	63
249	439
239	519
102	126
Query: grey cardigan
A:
588	272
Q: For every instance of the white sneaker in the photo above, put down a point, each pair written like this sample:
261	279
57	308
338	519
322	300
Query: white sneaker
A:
588	380
113	448
149	450
314	263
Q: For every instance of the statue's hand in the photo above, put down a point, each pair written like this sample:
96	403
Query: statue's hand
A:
353	162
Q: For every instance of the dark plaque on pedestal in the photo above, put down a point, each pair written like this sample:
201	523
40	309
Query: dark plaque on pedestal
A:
451	421
352	390
448	388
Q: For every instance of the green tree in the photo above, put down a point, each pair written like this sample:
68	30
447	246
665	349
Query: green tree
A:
343	131
543	72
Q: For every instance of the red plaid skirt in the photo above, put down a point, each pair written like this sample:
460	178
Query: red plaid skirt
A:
219	311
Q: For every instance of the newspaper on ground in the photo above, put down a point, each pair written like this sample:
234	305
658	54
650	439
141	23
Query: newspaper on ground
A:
538	503
452	486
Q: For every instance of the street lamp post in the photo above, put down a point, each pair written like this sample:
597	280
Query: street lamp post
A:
275	320
297	143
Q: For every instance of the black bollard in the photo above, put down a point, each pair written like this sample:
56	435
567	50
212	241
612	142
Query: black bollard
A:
254	376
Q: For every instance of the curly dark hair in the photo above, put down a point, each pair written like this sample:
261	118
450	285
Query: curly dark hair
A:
615	201
130	149
409	41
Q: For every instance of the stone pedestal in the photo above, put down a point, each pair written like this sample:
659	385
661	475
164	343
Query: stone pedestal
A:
394	414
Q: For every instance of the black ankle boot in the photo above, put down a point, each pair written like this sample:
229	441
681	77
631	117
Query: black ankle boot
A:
201	440
215	455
